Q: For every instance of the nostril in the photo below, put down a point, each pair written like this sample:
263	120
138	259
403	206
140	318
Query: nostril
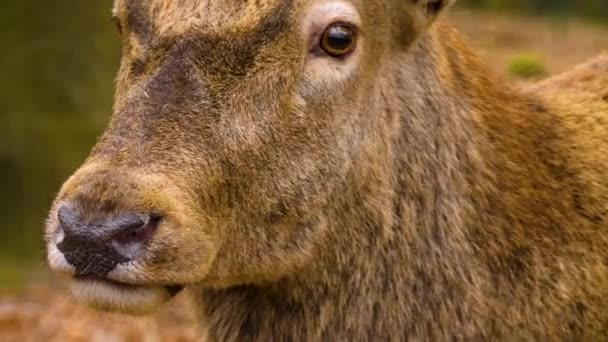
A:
67	218
124	229
137	231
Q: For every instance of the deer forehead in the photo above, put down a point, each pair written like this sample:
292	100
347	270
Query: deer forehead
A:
177	17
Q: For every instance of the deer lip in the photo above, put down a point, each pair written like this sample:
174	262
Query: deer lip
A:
107	281
114	296
173	290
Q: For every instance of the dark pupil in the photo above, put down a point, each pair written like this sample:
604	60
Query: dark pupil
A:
339	38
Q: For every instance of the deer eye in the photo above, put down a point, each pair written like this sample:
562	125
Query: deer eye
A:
118	24
338	40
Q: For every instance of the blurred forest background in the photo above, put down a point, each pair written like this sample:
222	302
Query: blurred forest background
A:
56	87
56	73
56	76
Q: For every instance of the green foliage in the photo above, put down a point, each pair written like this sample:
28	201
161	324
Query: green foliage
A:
527	65
56	66
13	274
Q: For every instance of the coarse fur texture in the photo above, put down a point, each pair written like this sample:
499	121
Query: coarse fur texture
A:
400	193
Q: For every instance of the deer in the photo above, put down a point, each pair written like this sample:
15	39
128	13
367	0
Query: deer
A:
327	170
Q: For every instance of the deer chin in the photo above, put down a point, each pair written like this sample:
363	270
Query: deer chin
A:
112	296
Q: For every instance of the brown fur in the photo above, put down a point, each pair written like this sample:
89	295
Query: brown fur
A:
419	199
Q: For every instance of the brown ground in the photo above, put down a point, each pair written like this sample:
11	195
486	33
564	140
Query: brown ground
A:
46	312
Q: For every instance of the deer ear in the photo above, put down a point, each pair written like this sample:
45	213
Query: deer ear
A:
432	8
418	16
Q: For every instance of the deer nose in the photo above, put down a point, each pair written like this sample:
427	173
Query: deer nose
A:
95	249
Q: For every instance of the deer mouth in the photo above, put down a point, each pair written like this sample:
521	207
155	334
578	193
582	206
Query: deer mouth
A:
132	299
